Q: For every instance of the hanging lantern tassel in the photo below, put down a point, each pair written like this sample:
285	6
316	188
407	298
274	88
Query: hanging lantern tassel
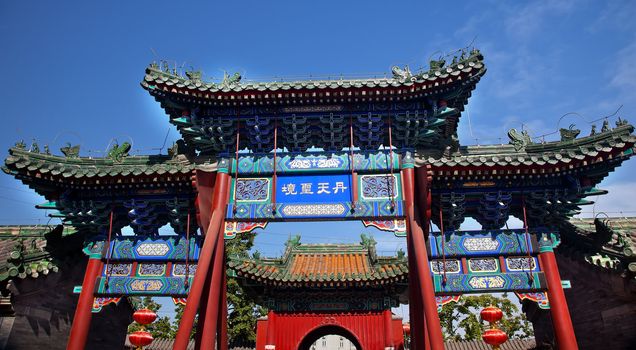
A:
493	336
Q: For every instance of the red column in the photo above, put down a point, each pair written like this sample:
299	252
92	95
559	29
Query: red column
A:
563	329
208	338
84	310
271	329
427	291
201	315
415	316
427	341
388	330
205	259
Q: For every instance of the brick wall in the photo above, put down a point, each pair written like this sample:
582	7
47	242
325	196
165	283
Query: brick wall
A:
602	306
44	309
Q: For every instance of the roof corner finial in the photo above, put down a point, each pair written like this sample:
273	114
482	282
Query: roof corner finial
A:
401	74
293	241
34	147
70	151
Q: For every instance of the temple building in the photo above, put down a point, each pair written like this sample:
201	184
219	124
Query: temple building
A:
314	285
380	151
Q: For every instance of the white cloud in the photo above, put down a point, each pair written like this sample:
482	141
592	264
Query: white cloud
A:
616	14
624	71
526	21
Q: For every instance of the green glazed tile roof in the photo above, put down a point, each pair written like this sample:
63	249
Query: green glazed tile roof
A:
22	160
432	80
607	242
550	153
23	251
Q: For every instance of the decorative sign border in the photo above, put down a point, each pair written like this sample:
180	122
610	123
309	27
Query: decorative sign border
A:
155	286
482	243
362	210
163	249
480	283
315	163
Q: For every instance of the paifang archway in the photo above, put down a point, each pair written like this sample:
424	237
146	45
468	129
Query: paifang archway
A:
375	150
322	331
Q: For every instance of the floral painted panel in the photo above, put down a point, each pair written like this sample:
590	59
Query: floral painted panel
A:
253	190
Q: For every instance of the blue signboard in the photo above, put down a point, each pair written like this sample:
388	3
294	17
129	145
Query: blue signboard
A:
313	189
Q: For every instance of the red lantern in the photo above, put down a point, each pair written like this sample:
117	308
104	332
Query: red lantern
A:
144	316
494	337
140	338
407	328
491	314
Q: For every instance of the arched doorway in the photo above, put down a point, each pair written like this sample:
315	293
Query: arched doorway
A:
316	334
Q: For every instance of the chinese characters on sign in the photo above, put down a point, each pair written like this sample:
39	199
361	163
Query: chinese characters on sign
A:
316	189
306	188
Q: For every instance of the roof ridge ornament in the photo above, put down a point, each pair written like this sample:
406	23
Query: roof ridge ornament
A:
401	74
117	153
229	81
194	75
569	134
20	144
520	140
35	148
293	241
70	151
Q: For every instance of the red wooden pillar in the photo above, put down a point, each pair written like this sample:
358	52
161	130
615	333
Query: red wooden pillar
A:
205	259
271	331
210	322
427	341
563	329
388	330
422	186
201	315
418	334
427	291
84	310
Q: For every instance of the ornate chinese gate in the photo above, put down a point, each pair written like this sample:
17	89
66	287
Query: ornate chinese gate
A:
387	155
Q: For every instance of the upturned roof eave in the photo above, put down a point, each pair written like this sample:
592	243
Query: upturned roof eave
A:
550	153
155	76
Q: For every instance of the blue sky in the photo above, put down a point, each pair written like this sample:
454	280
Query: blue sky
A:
71	70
